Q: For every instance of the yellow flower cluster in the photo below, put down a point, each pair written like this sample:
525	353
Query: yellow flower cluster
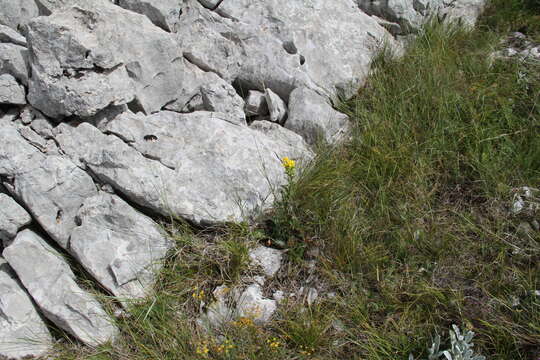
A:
288	163
306	351
274	343
225	347
198	295
202	349
243	322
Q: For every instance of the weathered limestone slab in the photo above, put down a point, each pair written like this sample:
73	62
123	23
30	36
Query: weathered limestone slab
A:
201	166
22	331
51	187
51	283
120	247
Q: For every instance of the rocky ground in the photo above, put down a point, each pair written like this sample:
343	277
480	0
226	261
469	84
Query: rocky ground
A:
117	117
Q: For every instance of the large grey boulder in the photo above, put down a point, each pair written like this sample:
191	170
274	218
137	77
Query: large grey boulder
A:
312	116
103	55
163	13
332	42
12	218
14	61
51	187
51	283
201	166
17	13
412	14
120	247
11	92
23	333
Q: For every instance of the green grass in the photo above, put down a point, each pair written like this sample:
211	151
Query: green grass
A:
410	217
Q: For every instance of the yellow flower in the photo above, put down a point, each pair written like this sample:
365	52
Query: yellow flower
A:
202	349
288	163
273	343
198	295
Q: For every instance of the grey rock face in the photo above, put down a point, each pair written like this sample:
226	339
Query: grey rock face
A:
12	218
276	106
331	42
50	282
311	116
17	13
14	61
81	48
22	331
10	91
222	98
205	168
278	45
283	138
163	13
118	246
8	35
79	93
412	14
51	187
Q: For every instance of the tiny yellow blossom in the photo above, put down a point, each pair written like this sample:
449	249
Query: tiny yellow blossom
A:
273	343
202	349
288	163
198	295
243	322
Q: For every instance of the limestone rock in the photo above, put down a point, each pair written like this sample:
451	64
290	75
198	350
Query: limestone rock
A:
219	312
412	14
11	92
163	13
222	98
12	218
120	247
22	331
51	283
8	35
256	104
17	13
80	93
330	41
253	305
51	187
283	138
276	106
311	116
81	47
267	258
201	166
14	61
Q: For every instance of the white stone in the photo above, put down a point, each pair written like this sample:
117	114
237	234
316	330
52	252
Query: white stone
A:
251	304
267	258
